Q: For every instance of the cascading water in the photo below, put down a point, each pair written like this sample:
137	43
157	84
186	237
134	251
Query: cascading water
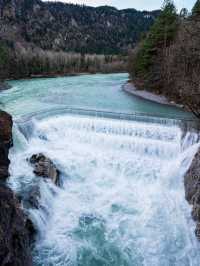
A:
121	202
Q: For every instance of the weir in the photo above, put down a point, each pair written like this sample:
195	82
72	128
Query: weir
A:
185	123
122	199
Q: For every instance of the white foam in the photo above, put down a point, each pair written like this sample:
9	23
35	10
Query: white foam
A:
122	201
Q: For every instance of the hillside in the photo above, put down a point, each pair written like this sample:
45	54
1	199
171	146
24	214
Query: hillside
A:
167	61
67	27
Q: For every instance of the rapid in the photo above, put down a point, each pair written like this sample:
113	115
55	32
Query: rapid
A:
121	199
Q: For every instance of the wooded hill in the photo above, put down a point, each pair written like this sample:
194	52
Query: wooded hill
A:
167	60
47	38
73	28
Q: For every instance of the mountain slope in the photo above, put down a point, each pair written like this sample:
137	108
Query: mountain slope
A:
68	27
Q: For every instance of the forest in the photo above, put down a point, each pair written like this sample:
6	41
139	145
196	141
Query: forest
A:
23	62
167	60
50	38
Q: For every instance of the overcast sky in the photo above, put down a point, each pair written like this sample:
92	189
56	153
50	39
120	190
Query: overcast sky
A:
137	4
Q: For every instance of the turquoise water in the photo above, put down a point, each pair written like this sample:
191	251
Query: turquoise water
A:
97	92
121	202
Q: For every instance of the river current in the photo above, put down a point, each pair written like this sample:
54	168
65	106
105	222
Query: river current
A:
121	200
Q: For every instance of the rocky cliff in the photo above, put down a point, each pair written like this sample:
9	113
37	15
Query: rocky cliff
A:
192	190
5	143
14	239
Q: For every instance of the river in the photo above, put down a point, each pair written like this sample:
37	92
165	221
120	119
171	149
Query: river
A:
121	202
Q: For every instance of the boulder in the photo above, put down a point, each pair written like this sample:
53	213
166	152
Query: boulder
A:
43	166
5	143
14	238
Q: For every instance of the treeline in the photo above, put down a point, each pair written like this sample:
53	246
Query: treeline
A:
20	62
167	60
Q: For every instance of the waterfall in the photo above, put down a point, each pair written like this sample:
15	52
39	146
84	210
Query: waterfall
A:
122	196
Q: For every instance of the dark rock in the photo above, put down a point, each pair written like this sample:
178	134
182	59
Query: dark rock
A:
196	197
192	179
192	190
32	231
5	143
44	167
6	127
4	86
197	231
14	239
196	212
30	199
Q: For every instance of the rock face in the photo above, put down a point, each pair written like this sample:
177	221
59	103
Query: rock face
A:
192	190
5	143
44	167
14	240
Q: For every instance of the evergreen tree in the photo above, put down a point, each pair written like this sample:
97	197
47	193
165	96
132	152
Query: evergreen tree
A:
184	13
196	8
160	36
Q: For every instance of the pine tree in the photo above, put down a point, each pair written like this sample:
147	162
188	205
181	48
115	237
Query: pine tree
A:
160	36
166	24
196	8
184	13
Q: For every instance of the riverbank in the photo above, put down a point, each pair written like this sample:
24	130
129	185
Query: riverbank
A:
5	86
131	88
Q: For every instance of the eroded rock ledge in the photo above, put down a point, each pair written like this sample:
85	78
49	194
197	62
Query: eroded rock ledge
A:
192	190
14	238
5	143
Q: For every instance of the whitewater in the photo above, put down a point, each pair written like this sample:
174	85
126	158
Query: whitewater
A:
121	199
